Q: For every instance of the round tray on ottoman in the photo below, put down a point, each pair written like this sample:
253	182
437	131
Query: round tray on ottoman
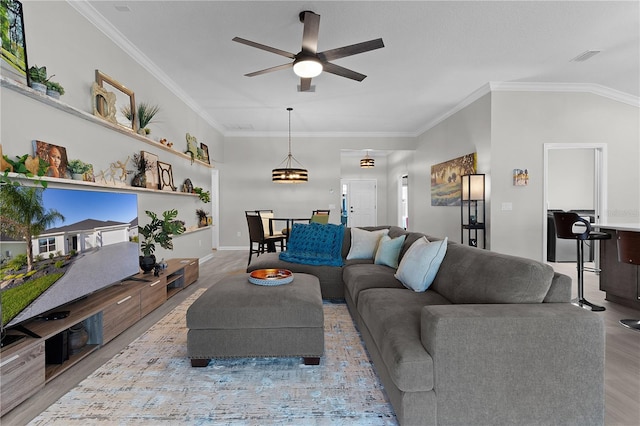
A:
271	277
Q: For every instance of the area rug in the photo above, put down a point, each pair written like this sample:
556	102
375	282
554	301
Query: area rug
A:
152	382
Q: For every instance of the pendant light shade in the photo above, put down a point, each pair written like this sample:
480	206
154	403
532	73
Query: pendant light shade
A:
367	162
288	174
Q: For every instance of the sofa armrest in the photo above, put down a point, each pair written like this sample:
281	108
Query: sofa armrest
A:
516	363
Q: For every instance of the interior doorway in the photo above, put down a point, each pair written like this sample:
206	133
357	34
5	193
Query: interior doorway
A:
359	202
583	172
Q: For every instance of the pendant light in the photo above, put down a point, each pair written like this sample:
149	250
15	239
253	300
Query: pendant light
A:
367	162
288	174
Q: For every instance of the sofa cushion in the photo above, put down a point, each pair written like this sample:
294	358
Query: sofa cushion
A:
314	244
358	277
473	275
395	328
388	251
364	243
420	264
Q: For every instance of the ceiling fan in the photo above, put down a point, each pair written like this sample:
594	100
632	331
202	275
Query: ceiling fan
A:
309	63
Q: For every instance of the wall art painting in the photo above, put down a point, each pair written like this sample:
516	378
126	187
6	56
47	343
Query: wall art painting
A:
151	174
446	179
55	156
520	177
205	153
14	46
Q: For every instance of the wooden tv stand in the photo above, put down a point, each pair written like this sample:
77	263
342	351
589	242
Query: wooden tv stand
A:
105	314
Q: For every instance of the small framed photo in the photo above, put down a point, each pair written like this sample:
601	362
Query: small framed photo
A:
55	156
151	174
520	177
166	176
205	153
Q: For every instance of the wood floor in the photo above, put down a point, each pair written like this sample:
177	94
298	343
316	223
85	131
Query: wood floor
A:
622	376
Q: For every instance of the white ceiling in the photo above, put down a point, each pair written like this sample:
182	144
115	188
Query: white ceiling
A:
436	54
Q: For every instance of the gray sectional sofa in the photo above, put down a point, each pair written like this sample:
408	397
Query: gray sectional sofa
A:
493	341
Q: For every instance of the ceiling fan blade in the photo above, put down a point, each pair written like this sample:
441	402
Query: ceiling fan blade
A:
267	70
305	84
354	49
342	72
265	47
310	34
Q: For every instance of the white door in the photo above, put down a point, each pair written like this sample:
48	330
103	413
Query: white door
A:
361	197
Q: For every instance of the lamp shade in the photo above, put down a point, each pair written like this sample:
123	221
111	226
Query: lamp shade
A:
367	162
289	174
307	67
473	187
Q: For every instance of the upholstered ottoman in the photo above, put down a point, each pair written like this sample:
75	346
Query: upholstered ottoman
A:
235	318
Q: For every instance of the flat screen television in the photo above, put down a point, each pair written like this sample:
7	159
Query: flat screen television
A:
94	247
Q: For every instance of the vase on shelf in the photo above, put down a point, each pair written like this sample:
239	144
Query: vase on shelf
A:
139	180
77	338
147	263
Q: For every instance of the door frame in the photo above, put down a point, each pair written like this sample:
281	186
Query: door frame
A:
599	184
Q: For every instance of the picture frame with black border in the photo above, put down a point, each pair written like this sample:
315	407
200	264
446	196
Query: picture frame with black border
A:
165	173
205	153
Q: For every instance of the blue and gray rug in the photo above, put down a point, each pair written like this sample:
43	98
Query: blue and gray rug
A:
152	382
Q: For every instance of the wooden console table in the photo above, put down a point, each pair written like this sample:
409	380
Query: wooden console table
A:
104	314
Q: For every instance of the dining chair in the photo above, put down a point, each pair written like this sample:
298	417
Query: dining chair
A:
257	236
629	252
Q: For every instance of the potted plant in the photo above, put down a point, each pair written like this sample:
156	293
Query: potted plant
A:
146	112
158	231
204	196
202	218
142	165
38	78
54	89
78	168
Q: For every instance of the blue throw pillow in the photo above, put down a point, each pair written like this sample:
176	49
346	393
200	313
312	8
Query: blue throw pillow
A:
420	264
315	244
389	251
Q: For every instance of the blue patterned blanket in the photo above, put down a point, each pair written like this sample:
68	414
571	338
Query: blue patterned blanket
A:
315	244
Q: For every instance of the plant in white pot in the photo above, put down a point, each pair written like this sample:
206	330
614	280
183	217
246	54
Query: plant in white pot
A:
54	89
158	231
78	168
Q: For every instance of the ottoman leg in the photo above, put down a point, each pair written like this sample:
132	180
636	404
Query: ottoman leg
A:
311	360
198	362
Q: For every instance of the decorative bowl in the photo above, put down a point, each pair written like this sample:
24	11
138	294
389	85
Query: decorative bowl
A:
271	277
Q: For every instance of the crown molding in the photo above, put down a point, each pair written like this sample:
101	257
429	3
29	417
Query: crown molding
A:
93	16
498	86
596	89
325	135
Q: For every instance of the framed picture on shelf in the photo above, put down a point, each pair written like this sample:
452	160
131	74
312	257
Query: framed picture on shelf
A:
151	174
166	176
55	156
205	153
14	46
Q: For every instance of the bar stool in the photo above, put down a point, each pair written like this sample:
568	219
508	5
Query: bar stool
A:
629	252
565	222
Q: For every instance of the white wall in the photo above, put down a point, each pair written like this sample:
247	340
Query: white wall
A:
522	122
72	49
245	178
465	132
571	179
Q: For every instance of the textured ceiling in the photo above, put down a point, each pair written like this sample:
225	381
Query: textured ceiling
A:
436	54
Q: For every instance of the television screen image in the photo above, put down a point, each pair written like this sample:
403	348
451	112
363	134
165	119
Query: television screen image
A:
95	246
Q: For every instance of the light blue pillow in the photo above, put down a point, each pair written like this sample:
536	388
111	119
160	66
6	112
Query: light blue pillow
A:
389	251
420	264
364	243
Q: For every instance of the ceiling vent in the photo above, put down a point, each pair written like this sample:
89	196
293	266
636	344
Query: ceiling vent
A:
584	56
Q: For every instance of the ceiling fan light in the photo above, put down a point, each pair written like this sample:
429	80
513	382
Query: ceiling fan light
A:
307	68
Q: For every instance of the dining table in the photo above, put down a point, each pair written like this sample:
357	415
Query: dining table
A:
289	221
